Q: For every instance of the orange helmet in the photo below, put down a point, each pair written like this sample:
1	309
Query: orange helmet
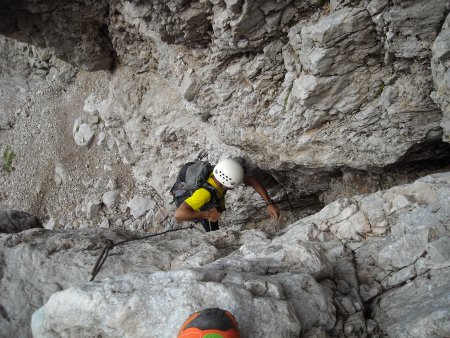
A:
210	323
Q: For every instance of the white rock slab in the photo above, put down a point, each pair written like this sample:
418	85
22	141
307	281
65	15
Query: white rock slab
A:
156	305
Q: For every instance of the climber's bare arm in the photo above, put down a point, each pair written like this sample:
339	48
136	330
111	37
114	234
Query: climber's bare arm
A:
272	209
185	213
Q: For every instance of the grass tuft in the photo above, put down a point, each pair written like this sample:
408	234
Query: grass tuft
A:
8	157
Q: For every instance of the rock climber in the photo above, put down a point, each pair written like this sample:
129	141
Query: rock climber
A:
206	204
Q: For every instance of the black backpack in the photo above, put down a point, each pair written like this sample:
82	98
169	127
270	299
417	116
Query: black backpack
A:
192	176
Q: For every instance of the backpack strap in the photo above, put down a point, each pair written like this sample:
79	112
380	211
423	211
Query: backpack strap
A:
215	200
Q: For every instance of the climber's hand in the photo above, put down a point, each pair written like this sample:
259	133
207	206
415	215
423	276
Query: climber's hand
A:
213	215
273	212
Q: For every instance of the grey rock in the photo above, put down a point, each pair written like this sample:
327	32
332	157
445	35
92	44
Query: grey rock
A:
56	254
50	225
182	287
399	277
189	86
421	265
316	333
355	324
279	257
61	175
369	292
112	183
291	293
371	326
310	93
83	134
411	247
439	252
403	42
111	199
16	221
346	305
101	138
343	219
420	308
440	65
81	43
104	224
93	119
373	208
139	205
92	208
376	6
312	302
282	271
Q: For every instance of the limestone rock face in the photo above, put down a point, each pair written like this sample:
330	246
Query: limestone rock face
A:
312	92
157	274
344	104
352	71
144	300
417	309
76	32
440	65
340	89
303	81
318	274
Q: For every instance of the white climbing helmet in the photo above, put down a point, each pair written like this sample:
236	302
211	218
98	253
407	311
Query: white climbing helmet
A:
229	172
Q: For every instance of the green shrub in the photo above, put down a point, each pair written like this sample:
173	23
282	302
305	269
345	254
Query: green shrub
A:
8	156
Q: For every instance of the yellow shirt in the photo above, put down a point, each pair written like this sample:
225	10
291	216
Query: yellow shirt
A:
202	196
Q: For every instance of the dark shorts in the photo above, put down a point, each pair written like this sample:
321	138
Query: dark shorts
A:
213	226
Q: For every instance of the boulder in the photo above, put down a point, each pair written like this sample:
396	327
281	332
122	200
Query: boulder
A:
16	221
156	305
139	205
418	309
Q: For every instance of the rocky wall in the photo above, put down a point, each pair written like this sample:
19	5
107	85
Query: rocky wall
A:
74	31
101	104
334	99
372	265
